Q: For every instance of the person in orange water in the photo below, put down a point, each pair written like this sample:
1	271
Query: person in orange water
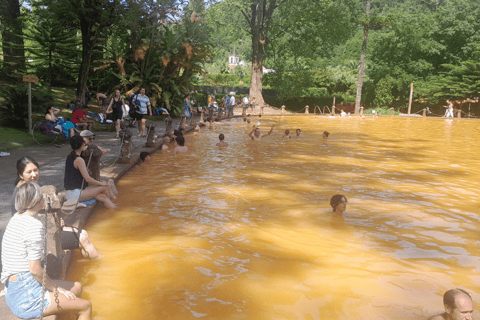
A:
339	204
222	143
255	135
458	306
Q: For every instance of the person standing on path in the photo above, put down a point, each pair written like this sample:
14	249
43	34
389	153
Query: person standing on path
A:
232	103
116	106
187	107
144	108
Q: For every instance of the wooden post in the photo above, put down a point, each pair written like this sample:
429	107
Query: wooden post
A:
29	79
261	110
151	134
459	113
333	102
410	99
125	155
283	109
424	112
333	110
306	109
361	111
391	111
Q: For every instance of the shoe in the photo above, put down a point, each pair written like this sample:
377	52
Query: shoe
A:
117	136
4	154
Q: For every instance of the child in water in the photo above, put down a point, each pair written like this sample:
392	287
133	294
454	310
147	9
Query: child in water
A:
339	204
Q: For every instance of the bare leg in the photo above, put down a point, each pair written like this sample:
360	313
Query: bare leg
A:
111	185
117	126
87	247
78	306
101	193
144	121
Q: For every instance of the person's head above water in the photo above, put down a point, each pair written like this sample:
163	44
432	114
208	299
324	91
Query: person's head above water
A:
221	137
144	155
458	305
338	203
27	170
287	132
326	134
180	140
299	132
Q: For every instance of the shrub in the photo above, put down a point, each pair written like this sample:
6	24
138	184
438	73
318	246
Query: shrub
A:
14	111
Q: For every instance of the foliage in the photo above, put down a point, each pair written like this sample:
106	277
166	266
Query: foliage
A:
53	52
14	110
383	111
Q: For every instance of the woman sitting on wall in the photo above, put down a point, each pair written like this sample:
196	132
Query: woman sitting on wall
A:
70	238
22	271
77	179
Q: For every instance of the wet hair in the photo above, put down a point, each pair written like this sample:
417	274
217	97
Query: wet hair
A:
336	199
144	155
450	296
47	111
221	137
28	195
177	133
180	140
326	133
22	164
298	130
287	132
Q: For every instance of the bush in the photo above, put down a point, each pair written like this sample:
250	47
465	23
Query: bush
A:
14	111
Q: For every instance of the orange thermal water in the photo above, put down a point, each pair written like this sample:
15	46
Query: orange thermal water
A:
247	232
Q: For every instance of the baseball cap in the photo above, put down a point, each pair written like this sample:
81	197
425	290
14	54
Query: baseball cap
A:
86	133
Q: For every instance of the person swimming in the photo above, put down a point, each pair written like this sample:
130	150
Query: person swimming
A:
339	204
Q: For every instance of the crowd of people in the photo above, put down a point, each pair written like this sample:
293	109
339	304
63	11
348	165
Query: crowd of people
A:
28	289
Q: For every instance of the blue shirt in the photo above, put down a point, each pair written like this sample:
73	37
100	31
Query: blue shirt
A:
144	102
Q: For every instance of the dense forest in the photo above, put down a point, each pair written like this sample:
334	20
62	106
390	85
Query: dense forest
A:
314	48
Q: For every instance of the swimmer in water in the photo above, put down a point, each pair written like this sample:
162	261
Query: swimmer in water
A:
180	148
222	143
339	204
255	134
299	132
287	134
325	134
166	140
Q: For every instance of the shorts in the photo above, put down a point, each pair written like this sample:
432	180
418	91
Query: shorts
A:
73	194
117	114
70	240
140	116
24	296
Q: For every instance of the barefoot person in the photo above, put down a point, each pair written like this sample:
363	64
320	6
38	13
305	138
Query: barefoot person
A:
77	179
255	134
70	238
339	204
22	271
222	143
458	306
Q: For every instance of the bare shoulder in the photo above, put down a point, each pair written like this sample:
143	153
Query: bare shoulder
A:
441	316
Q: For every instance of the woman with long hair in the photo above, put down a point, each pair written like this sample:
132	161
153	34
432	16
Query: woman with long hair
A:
78	183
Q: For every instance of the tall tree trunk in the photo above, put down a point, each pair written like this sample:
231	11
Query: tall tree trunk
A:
362	65
12	36
257	70
258	17
87	49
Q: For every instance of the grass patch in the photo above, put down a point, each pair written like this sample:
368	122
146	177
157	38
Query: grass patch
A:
11	139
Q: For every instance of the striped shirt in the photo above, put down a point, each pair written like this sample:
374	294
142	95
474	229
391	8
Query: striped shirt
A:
144	102
22	242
